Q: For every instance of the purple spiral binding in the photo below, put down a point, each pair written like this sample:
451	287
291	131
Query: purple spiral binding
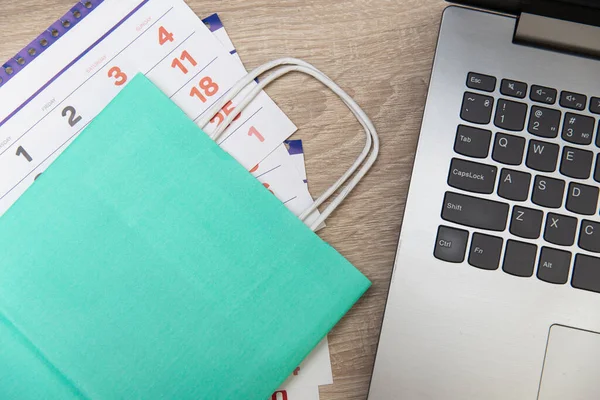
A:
77	13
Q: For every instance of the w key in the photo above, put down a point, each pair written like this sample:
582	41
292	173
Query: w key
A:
542	156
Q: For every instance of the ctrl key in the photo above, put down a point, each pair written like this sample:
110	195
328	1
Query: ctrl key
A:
451	244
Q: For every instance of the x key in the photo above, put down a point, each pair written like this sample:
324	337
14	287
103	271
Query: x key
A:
560	229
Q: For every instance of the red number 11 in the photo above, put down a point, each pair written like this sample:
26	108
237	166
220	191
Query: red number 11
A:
184	56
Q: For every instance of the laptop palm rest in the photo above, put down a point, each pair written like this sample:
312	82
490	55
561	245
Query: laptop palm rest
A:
571	365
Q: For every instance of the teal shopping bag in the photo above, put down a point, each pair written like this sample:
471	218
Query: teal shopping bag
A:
146	263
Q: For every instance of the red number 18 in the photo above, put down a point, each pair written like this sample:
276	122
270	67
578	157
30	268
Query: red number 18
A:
207	88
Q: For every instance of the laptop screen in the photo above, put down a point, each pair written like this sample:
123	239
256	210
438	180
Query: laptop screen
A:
583	11
518	5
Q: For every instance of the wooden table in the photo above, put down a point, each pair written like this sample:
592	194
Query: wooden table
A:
380	51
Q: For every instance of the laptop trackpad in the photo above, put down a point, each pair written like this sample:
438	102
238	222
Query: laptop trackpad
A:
571	365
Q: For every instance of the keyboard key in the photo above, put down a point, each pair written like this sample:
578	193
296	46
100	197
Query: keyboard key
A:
548	192
508	149
526	222
576	163
542	156
510	115
485	251
595	105
554	266
586	273
544	122
477	108
472	142
597	173
572	100
589	236
472	177
560	229
513	88
475	212
578	129
451	244
481	82
519	259
543	94
582	199
514	185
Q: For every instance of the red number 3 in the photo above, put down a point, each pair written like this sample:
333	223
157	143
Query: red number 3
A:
120	76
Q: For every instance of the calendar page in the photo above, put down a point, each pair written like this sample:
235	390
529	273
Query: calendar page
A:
283	171
48	103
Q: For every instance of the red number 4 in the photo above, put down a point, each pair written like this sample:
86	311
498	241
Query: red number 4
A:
164	36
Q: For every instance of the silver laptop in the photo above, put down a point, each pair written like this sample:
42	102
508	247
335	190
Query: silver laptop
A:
496	286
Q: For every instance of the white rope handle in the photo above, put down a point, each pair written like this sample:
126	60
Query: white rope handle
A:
371	149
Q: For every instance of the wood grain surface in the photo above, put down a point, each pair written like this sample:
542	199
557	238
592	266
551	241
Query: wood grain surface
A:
380	51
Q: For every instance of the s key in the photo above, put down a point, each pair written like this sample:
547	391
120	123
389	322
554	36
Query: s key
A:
548	192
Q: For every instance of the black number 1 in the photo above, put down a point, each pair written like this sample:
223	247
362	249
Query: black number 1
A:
73	117
22	152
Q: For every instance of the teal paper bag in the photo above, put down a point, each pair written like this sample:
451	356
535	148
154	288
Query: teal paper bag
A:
146	263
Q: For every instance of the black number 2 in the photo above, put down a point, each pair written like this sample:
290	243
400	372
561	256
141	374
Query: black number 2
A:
73	117
22	152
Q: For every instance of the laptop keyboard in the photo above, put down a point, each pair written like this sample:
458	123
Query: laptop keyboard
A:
561	210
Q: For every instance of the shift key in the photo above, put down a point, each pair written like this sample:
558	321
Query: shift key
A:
475	212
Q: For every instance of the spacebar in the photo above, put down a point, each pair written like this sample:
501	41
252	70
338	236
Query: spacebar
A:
475	212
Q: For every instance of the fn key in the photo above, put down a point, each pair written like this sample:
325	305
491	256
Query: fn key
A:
451	244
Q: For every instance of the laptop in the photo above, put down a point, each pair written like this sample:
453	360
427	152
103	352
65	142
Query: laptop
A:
495	292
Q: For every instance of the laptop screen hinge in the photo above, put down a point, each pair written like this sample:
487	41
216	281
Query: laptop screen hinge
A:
556	34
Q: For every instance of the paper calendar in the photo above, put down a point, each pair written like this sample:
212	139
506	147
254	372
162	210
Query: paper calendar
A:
52	101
